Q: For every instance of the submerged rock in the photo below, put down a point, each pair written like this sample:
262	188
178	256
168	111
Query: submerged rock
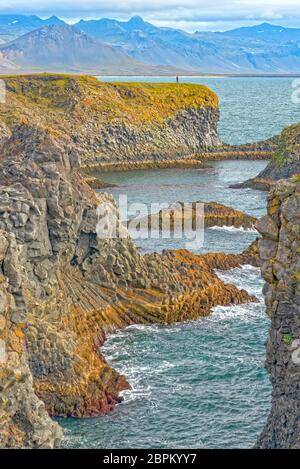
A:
96	183
180	216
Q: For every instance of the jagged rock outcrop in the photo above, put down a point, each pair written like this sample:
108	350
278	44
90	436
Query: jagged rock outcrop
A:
285	161
280	257
221	261
123	125
68	287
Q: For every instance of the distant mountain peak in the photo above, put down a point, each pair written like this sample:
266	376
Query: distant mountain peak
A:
54	19
98	43
50	34
267	26
59	28
136	20
110	30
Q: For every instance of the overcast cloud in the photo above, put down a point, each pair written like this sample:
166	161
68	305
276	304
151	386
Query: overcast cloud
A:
190	15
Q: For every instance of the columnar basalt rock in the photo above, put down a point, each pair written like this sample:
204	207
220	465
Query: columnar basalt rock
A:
70	288
23	416
280	257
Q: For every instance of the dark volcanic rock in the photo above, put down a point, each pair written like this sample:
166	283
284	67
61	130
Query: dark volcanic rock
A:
179	215
280	257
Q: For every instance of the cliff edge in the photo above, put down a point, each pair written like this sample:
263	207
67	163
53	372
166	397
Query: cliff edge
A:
280	256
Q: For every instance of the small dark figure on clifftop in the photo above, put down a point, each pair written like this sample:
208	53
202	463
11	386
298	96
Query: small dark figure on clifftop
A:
177	79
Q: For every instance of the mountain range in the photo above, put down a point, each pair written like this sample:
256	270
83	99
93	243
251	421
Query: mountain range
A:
13	26
264	48
138	47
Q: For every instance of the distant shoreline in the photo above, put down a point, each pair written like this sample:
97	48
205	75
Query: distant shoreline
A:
212	75
100	75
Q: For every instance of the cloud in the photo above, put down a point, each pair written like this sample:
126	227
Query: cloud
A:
186	14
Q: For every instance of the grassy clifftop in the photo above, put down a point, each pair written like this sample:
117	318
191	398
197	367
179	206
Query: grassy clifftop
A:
114	122
33	95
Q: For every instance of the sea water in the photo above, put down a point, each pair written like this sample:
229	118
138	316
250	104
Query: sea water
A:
199	384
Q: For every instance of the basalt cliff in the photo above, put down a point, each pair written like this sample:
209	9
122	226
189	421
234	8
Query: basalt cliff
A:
280	257
123	126
63	288
116	125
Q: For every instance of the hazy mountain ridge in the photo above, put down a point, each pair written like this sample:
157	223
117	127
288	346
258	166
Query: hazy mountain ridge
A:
136	46
264	48
62	47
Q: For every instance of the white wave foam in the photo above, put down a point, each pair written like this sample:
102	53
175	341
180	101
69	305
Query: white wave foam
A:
233	229
246	312
135	393
246	277
250	267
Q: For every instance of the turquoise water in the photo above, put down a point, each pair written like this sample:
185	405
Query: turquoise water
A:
200	384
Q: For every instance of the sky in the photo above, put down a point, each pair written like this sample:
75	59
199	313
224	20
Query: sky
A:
190	15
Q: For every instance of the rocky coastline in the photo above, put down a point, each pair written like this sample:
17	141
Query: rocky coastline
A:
64	289
196	160
251	151
124	126
115	123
